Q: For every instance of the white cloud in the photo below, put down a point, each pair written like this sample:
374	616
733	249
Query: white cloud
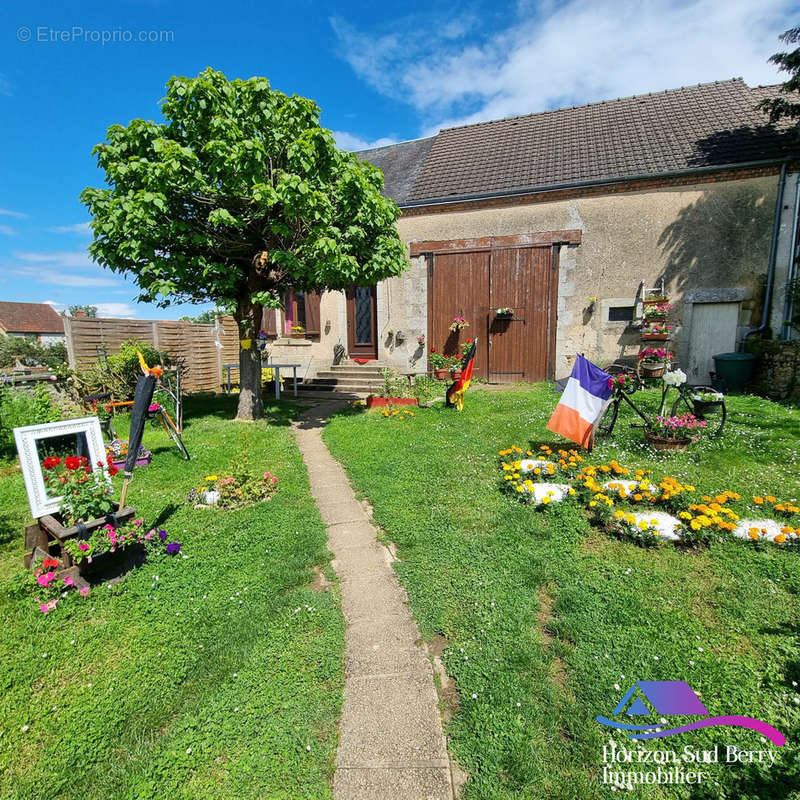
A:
123	310
349	141
56	305
81	228
553	55
8	213
61	258
55	277
7	230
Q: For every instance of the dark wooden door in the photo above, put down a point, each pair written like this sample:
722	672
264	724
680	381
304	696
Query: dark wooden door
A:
362	322
474	283
520	347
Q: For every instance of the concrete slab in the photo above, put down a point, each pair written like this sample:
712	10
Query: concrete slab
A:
391	721
363	597
392	784
350	534
344	510
383	646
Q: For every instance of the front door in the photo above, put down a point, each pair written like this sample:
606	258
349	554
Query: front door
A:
362	322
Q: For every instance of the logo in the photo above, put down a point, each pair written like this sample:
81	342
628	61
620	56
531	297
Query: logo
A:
675	699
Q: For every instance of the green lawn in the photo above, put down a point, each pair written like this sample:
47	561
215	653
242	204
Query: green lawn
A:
219	678
547	620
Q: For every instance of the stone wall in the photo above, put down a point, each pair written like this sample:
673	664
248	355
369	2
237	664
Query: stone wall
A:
778	375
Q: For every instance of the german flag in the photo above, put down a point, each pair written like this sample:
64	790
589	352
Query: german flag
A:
455	394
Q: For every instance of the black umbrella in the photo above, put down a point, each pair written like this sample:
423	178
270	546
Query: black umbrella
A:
145	387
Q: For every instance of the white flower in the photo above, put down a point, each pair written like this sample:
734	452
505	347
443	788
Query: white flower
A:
25	728
188	751
474	696
674	378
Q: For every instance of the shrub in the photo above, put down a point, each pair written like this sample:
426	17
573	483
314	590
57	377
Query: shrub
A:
118	373
31	353
19	407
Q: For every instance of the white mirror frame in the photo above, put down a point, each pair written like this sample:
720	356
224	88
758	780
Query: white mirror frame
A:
26	439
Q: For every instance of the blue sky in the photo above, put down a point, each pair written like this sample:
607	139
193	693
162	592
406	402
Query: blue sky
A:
379	74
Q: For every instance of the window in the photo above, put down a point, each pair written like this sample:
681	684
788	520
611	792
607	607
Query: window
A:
620	313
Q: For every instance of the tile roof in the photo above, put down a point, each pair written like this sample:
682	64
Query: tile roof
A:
400	164
712	124
30	318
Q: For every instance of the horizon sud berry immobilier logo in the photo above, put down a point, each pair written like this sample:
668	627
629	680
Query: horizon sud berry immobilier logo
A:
657	700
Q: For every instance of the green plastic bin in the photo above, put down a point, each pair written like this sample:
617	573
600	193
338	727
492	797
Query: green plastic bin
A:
736	369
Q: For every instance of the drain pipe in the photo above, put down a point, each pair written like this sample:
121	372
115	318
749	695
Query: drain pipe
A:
773	254
788	305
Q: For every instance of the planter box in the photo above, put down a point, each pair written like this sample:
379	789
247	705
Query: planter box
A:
655	337
52	529
142	461
655	301
665	443
378	402
296	335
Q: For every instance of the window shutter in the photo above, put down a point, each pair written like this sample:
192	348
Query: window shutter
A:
268	324
312	313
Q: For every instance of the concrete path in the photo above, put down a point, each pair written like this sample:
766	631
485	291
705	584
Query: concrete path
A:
391	745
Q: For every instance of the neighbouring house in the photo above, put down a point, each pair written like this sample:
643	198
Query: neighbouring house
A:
37	321
691	189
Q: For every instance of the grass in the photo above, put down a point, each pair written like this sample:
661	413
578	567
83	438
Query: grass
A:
548	621
219	678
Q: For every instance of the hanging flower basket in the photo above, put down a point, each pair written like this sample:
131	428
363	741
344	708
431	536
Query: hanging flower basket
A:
667	443
652	370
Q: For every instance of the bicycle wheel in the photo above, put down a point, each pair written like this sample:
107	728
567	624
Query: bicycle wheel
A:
606	423
173	434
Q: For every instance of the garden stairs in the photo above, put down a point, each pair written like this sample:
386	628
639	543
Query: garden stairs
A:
347	378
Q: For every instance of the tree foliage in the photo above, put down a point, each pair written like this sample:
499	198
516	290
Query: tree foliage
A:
237	197
780	107
89	311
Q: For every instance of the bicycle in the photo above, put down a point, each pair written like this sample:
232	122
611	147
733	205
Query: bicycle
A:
685	402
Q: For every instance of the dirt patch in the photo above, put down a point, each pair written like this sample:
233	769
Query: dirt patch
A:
10	470
449	701
595	542
320	582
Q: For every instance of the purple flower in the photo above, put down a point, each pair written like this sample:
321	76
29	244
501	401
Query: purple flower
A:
162	534
173	548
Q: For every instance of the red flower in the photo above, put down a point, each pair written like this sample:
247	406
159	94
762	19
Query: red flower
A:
433	349
112	470
610	383
87	469
72	462
50	562
52	461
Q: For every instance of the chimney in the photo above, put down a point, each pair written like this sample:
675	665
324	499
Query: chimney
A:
80	313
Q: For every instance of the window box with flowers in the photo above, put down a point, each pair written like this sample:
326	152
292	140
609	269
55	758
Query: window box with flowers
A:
653	361
297	332
656	331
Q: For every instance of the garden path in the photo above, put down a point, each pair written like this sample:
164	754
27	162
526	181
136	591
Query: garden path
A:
391	744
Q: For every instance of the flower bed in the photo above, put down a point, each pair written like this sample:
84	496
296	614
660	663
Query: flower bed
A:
633	505
373	401
241	486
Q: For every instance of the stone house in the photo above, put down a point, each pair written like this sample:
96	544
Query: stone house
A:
37	321
568	217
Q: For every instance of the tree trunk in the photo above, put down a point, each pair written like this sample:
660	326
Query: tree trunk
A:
251	404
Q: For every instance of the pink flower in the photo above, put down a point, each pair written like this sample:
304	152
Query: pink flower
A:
148	535
44	608
274	480
44	580
68	581
83	546
52	604
84	590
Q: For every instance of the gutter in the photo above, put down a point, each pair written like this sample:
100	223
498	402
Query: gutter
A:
438	201
772	258
788	306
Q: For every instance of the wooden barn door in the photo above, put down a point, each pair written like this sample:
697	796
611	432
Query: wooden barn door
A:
459	286
362	322
475	282
520	347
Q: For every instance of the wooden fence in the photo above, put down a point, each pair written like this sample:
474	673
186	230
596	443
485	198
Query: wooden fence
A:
89	339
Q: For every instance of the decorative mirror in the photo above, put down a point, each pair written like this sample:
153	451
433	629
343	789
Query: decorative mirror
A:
35	443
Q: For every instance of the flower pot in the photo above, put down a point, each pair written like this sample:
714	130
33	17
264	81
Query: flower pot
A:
297	335
441	374
654	301
142	461
455	374
112	560
655	337
245	344
667	443
377	402
652	370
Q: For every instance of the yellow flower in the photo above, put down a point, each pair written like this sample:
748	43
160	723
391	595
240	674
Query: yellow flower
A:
571	490
769	498
630	519
619	514
685	515
210	478
780	538
695	525
508	477
545	500
753	534
520	489
643	525
758	501
592	503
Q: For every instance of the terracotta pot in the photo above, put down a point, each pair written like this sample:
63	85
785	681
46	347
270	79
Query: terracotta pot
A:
441	374
455	374
653	370
378	402
658	337
297	335
666	443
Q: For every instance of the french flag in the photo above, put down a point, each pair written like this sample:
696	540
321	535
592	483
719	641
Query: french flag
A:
585	398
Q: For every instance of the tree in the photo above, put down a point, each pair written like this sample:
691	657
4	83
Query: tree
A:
779	107
88	311
239	197
205	317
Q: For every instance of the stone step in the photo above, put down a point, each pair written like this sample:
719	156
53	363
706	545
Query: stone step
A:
350	373
344	383
355	389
